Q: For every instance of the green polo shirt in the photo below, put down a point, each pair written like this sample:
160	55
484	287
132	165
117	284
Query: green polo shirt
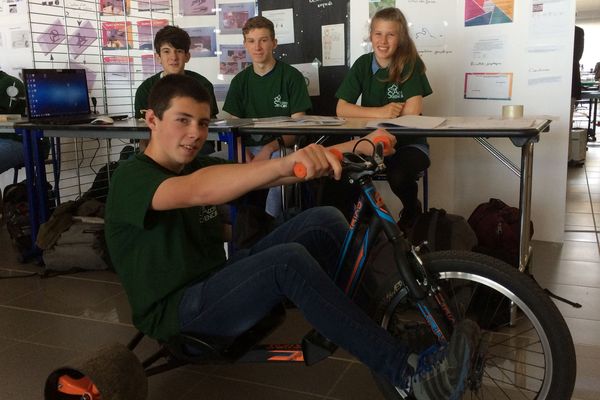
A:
143	92
366	79
280	93
157	254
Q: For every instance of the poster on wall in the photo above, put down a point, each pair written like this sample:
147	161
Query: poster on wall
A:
147	29
333	42
310	71
283	21
197	7
488	85
51	37
488	12
204	41
83	38
19	39
153	5
83	5
115	7
116	35
376	5
14	7
150	65
233	59
232	17
117	71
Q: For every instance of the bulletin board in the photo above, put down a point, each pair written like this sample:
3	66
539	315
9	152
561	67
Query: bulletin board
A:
317	43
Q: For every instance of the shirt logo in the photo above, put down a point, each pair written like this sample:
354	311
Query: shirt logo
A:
394	93
278	103
207	213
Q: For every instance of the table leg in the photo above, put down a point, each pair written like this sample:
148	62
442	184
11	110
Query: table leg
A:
525	203
32	195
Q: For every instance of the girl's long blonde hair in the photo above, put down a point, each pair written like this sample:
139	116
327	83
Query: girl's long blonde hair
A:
406	53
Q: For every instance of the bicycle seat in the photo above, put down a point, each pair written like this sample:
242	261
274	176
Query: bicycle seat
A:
200	349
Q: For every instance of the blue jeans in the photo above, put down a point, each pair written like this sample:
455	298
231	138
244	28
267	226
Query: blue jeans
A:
11	154
295	261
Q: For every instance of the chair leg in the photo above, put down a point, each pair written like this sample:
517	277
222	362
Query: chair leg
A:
16	174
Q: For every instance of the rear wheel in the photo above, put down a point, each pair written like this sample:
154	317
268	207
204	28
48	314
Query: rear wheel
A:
527	351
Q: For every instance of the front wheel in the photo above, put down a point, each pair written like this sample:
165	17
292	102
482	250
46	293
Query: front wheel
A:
527	349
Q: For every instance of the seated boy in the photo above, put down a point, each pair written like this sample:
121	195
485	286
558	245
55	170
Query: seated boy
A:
172	46
267	88
165	241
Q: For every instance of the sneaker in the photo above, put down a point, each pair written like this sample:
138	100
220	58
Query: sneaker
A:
441	371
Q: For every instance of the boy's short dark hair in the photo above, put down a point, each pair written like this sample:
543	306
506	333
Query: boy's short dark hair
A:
175	85
258	22
173	35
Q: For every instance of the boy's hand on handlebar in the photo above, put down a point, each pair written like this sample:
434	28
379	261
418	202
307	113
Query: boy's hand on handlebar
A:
379	135
314	161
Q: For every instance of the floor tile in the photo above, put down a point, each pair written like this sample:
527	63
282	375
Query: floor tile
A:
25	367
579	220
67	296
580	237
584	331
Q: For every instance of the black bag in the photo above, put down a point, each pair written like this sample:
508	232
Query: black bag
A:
497	227
442	231
16	214
99	188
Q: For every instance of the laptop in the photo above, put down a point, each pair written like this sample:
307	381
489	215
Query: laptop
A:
57	96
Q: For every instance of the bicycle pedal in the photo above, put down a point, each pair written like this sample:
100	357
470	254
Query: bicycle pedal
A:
316	347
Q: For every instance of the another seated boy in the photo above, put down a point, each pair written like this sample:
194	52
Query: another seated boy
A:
172	46
165	241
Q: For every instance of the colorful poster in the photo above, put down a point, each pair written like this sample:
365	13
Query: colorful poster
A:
116	35
147	29
204	41
197	7
83	37
232	17
487	12
114	7
233	59
488	85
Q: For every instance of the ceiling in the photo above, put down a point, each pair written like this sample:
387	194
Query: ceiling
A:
588	9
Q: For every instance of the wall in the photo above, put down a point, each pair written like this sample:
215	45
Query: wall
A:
463	174
539	56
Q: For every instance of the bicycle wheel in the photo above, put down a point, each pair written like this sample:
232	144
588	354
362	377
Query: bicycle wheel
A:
528	354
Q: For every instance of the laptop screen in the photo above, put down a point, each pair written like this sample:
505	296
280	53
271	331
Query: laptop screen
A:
56	92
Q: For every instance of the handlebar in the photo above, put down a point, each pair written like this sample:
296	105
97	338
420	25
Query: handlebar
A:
354	162
300	169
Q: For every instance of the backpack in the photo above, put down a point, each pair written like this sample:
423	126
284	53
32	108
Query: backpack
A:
16	214
442	231
497	227
73	237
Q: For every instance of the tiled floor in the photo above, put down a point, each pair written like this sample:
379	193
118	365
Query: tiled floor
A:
46	323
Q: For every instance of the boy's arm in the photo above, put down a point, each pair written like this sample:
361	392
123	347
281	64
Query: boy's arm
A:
220	184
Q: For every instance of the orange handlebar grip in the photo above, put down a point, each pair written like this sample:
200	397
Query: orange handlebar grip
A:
387	144
337	153
299	170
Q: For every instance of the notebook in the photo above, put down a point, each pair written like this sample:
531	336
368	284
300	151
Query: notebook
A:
57	96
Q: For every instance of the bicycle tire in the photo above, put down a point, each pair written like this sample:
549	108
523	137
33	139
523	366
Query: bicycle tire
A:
532	359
